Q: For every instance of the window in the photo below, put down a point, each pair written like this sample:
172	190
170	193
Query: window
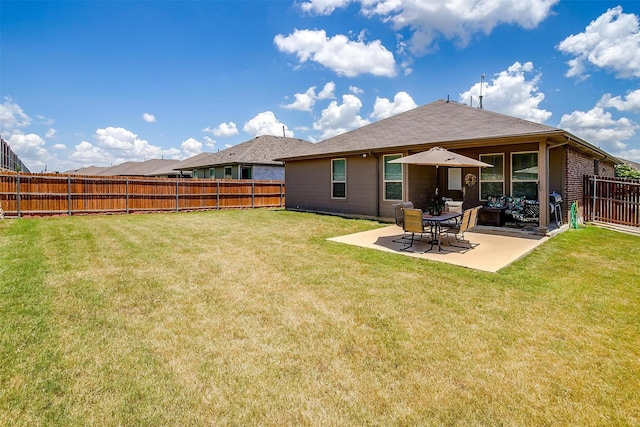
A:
245	172
492	178
454	179
227	172
524	175
392	178
195	173
212	173
339	179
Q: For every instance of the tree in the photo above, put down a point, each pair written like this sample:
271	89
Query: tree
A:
626	171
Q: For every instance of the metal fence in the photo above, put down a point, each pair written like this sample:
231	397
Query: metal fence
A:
612	200
45	195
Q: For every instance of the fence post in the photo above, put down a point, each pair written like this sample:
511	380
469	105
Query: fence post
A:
18	195
217	194
253	194
593	213
126	195
69	195
177	196
281	192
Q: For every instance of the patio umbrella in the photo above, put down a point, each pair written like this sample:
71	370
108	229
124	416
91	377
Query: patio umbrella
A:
438	156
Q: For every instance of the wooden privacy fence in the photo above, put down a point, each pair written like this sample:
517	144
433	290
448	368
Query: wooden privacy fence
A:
612	200
38	194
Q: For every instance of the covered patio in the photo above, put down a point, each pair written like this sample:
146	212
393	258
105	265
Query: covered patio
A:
494	248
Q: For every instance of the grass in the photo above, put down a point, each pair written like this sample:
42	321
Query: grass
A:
254	318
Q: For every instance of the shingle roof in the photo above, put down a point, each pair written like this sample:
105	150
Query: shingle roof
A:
435	123
88	170
153	167
261	150
146	168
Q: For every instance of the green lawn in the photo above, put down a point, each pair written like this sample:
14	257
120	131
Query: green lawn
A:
253	318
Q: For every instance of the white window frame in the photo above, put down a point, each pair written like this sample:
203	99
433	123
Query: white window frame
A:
385	180
212	173
481	181
230	174
195	173
512	180
334	181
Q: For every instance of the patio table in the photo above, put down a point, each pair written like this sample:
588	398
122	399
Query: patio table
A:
436	223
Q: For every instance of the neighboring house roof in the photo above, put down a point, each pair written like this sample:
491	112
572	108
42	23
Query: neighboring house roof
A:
167	168
436	123
136	168
89	170
153	167
259	151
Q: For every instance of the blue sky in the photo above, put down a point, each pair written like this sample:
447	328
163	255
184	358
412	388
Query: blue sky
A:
102	82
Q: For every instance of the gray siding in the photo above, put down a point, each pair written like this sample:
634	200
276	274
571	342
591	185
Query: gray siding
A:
258	172
268	172
309	186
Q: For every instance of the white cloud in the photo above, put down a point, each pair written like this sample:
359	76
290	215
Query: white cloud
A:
51	133
384	108
42	120
223	129
115	145
455	20
149	118
323	7
328	91
611	42
28	144
337	119
631	102
346	57
511	93
266	123
59	147
191	147
31	150
306	101
12	116
598	127
355	90
87	154
209	142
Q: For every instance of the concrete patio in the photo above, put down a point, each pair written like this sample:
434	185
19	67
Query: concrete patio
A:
493	248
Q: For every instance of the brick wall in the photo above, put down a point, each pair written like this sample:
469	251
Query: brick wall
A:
578	165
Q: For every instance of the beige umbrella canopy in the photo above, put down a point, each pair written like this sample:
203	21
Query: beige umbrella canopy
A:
438	156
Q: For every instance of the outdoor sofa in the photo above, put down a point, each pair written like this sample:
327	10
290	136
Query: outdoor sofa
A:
501	209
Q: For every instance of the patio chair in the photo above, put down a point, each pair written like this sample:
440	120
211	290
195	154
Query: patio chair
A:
452	206
468	222
398	211
413	223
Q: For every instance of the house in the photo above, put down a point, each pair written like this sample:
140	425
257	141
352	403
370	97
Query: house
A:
253	159
350	174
